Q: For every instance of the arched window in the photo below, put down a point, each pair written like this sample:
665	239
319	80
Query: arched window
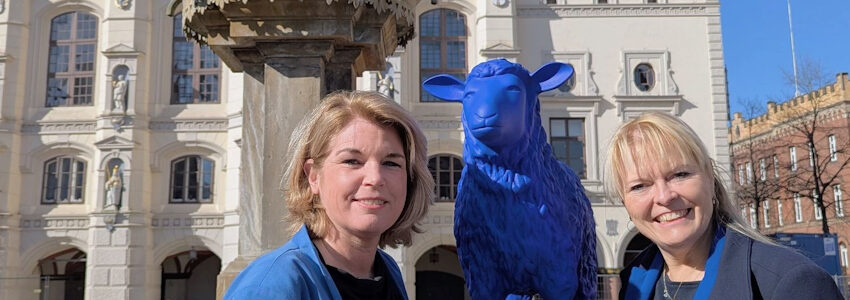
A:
191	180
446	170
635	247
195	69
71	58
644	77
64	180
442	46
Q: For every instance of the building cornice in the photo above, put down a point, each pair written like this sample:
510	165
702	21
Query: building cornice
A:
190	125
661	10
60	127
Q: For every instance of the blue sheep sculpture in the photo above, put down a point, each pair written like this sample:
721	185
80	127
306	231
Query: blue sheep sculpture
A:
523	223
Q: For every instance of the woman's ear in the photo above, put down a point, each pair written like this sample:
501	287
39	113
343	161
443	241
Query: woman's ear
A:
312	172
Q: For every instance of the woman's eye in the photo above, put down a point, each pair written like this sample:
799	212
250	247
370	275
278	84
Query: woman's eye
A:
636	187
351	162
682	174
392	164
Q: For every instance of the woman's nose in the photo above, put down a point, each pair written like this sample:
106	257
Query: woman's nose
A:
664	194
373	175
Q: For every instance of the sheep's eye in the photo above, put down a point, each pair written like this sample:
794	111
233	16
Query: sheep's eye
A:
514	88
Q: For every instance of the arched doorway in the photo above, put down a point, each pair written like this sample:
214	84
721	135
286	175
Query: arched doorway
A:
190	275
635	247
439	276
63	275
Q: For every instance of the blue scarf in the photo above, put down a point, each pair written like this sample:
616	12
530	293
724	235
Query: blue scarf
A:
642	281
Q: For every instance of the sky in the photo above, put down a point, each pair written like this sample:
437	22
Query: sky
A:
757	46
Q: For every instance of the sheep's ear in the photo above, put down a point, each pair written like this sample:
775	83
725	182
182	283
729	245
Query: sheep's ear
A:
552	75
445	87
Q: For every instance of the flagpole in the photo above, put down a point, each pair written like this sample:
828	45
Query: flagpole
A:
793	53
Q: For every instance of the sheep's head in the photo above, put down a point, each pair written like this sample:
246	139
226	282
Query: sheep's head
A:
499	99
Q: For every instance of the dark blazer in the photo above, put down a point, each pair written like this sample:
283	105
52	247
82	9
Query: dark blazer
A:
754	270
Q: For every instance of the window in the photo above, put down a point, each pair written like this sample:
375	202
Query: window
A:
793	153
741	174
651	1
442	46
833	155
762	170
195	69
753	223
765	209
798	209
818	214
570	84
839	203
64	180
811	155
744	212
602	1
191	180
779	212
843	249
644	77
775	166
567	140
749	172
71	59
446	170
551	2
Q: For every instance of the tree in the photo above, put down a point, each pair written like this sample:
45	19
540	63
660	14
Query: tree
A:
811	123
755	186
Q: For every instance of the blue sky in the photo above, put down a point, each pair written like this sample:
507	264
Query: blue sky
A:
757	46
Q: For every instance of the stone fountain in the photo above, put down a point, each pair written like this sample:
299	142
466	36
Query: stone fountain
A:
293	53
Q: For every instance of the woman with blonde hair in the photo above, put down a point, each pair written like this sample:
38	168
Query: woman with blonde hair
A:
358	180
701	247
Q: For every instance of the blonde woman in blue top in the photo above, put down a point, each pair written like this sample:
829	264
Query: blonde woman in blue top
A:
702	248
358	181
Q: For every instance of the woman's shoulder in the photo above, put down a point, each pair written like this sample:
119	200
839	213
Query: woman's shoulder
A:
784	273
282	272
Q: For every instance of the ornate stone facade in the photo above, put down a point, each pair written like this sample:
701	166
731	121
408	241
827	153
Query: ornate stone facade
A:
127	250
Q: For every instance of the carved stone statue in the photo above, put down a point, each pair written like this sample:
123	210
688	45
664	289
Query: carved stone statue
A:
385	83
119	91
113	189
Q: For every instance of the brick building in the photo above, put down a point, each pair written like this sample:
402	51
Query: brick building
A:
775	154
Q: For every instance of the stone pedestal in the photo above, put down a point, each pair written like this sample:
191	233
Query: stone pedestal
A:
293	53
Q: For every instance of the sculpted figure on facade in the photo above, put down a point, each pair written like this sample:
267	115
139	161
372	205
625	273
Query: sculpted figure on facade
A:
119	91
385	82
114	187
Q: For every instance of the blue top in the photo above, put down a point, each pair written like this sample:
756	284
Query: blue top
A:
294	271
747	269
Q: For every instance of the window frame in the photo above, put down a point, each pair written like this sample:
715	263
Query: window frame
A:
752	209
798	208
837	196
567	139
185	183
765	207
779	212
651	77
775	166
793	155
71	185
833	152
444	40
842	248
437	173
762	170
818	215
71	75
196	71
749	172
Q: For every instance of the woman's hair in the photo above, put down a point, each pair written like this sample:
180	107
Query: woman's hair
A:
310	141
656	137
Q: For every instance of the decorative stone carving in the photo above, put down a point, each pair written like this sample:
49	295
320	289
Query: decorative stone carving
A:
119	93
385	82
192	221
59	127
123	4
2	6
114	187
612	11
55	223
190	125
440	124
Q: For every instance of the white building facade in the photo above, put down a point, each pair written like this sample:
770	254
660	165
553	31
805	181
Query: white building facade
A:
175	133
